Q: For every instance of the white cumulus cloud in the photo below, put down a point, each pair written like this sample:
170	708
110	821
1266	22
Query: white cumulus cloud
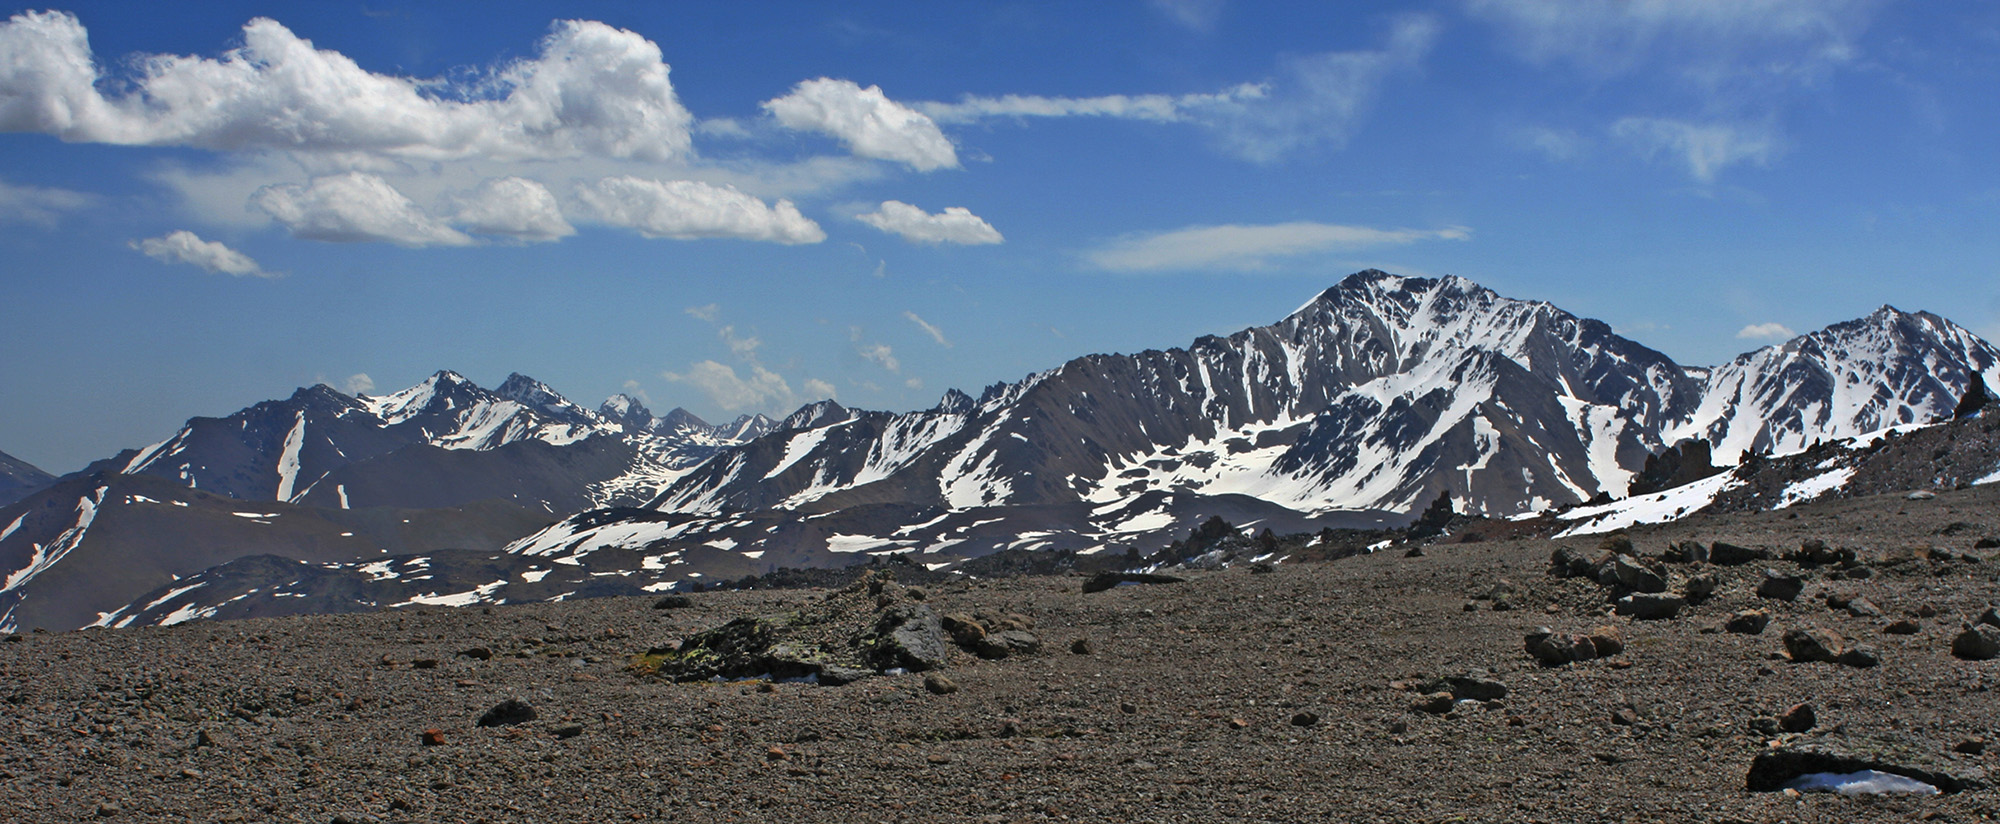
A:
687	209
511	206
760	389
935	333
183	246
1234	247
1766	331
1704	148
359	384
956	224
591	91
867	121
354	207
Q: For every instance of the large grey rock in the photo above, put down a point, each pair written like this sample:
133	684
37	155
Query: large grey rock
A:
1633	574
1979	642
914	639
1814	644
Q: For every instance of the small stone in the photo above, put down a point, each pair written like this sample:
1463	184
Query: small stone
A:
433	737
1436	703
1798	718
1397	727
673	602
108	809
1975	745
1699	588
1469	606
1859	573
1861	656
1516	721
1625	717
1991	616
1650	606
507	713
1128	708
1305	719
1765	725
1813	644
424	663
1927	611
1902	627
567	731
1415	552
777	753
476	653
1470	688
1748	622
939	685
1977	643
1081	646
1920	495
1238	724
1863	608
1779	586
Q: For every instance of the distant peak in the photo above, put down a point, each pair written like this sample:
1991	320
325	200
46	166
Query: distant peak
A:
955	401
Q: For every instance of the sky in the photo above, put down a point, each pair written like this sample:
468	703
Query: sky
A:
743	207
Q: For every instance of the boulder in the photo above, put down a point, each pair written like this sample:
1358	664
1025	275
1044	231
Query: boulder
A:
1700	588
1635	575
1107	580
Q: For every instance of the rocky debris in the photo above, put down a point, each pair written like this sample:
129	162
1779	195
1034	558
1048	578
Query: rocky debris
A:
1107	580
566	731
1555	649
1840	753
1814	552
507	713
937	684
1685	552
1821	645
1902	626
995	635
1625	716
1748	622
1979	642
673	602
1779	586
870	626
476	653
1727	554
1974	746
1650	606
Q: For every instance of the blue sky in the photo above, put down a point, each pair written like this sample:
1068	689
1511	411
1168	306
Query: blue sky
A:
742	207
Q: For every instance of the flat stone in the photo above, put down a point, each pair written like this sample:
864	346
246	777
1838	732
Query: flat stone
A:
1847	753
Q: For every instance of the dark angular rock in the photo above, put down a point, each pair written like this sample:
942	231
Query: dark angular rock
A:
1305	719
1860	656
673	602
1685	552
1727	554
1650	606
1779	586
1748	622
1902	627
1635	575
1863	608
1436	703
1813	644
507	713
1700	588
937	684
1977	643
909	636
1565	562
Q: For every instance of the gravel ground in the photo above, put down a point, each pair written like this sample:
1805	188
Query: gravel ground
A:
1187	705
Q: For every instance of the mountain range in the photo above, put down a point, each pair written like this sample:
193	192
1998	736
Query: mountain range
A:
1369	402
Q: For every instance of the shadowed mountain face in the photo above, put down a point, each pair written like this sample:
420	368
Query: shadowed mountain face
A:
19	479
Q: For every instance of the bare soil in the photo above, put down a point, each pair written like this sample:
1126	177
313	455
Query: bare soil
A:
1187	705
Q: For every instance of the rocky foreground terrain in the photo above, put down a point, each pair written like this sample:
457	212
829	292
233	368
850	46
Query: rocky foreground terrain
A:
1383	687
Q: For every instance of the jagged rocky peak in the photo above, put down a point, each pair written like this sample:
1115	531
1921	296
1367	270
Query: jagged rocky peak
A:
817	414
627	412
536	395
745	427
956	402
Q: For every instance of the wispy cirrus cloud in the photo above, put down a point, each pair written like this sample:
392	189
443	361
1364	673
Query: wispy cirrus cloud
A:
1705	149
929	329
183	246
39	205
1249	248
1311	101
